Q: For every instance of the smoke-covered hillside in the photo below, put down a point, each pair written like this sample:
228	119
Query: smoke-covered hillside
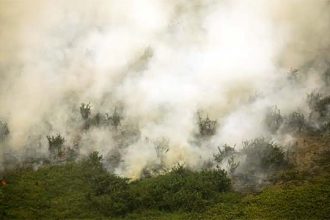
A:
158	66
225	91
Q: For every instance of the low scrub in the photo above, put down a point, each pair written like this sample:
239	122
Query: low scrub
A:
263	156
179	189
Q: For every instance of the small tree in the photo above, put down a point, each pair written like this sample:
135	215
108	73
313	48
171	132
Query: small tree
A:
207	127
55	144
109	193
233	164
224	153
228	153
85	110
114	119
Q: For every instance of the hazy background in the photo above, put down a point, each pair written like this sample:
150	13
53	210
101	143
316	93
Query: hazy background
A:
161	61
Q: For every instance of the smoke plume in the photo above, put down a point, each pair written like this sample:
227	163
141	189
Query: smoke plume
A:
158	63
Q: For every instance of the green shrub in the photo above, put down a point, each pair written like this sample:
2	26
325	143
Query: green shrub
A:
263	156
109	193
260	160
180	189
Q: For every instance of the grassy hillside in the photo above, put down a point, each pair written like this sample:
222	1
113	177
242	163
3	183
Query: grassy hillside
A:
85	190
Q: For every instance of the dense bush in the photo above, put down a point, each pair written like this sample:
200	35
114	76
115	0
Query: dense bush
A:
260	160
180	189
61	192
109	193
85	190
263	156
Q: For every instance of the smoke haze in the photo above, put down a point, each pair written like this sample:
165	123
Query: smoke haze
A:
159	62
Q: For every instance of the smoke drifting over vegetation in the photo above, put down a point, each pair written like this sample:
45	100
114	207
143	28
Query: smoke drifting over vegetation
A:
152	84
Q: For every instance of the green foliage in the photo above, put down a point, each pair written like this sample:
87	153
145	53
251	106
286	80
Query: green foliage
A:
308	201
180	189
52	192
108	193
66	192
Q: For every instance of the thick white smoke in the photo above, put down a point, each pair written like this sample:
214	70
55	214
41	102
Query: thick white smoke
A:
162	61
